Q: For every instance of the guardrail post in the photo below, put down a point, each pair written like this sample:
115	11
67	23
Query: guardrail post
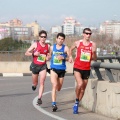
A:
110	60
102	60
119	60
98	74
109	74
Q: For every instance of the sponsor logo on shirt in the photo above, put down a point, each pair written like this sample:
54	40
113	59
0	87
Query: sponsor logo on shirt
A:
45	51
87	48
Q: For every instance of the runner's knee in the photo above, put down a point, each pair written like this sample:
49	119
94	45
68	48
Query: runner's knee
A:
42	83
59	88
79	85
54	85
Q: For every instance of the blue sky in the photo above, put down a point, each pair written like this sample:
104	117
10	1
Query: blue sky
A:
52	12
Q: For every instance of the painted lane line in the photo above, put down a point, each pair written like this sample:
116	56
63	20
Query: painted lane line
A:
44	111
12	74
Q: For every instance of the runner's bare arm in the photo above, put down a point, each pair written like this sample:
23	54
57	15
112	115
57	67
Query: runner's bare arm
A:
67	52
51	50
30	50
71	49
48	54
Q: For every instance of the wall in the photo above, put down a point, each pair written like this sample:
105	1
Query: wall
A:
102	97
23	67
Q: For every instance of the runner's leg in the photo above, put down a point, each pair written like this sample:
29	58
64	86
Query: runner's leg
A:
60	83
34	81
54	78
42	80
79	84
82	90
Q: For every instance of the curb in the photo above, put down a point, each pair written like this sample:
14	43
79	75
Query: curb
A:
25	74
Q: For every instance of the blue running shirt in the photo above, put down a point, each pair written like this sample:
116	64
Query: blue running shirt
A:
55	63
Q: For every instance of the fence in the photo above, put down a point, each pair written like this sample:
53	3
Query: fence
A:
20	56
14	56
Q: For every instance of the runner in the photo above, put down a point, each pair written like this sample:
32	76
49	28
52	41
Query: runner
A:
39	50
85	52
59	53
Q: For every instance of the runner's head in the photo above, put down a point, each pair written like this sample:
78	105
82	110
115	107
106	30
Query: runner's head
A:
87	33
60	38
42	36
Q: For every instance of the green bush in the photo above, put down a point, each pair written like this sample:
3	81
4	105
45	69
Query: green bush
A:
8	44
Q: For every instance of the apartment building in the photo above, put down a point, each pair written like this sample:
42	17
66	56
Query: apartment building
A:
15	29
111	28
70	26
56	29
4	32
12	23
35	28
20	33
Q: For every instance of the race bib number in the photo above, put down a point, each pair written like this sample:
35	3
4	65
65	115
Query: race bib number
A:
41	58
56	61
85	56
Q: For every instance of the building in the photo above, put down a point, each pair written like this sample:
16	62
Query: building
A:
17	33
12	23
35	28
111	28
4	32
15	29
56	29
15	23
70	26
21	33
78	29
4	24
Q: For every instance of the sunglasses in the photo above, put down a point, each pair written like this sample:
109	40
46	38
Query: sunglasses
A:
43	36
88	33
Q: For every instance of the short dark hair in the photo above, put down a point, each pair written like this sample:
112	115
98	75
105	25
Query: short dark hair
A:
61	34
88	29
43	32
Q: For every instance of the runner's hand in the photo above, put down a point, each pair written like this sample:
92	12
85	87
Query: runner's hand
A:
60	57
36	53
70	60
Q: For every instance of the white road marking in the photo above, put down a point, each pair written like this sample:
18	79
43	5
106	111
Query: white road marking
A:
44	111
16	74
12	74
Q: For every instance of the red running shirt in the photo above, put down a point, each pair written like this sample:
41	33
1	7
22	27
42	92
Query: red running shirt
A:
83	56
40	60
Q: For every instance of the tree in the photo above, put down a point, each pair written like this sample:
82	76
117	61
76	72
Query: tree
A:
8	44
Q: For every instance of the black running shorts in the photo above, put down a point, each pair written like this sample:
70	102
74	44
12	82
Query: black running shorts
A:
84	73
60	73
37	68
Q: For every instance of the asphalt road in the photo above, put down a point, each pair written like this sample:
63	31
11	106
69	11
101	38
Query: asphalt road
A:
18	101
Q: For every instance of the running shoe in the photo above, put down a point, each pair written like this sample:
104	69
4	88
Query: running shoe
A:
75	109
34	87
54	108
78	102
39	101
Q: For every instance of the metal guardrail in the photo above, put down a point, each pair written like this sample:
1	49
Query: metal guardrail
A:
110	58
107	66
